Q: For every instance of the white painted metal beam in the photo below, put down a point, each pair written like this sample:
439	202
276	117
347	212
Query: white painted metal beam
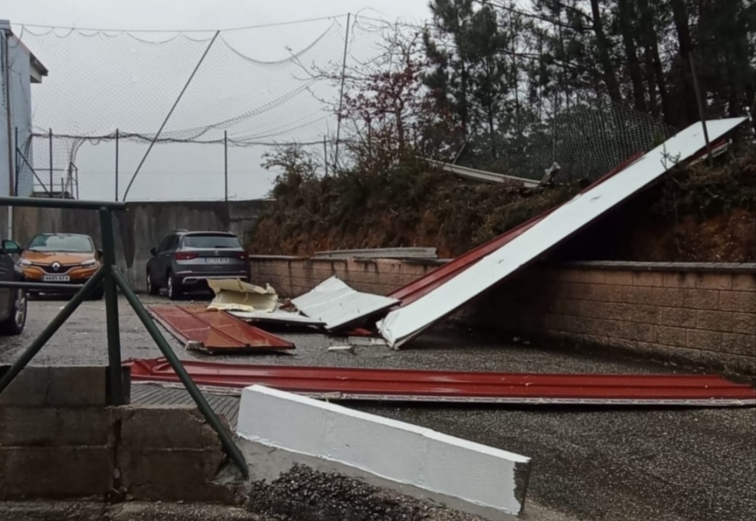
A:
482	175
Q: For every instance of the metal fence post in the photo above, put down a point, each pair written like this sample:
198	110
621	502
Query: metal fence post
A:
228	443
50	330
111	308
52	187
225	164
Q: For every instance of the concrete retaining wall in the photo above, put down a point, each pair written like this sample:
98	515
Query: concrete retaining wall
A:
292	276
701	314
59	440
141	227
460	474
696	313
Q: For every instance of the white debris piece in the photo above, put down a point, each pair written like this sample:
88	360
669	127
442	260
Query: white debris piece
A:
236	295
342	349
336	304
277	316
407	322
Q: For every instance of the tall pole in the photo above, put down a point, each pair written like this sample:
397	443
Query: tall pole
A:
52	188
341	94
325	155
225	163
701	109
116	165
170	112
14	186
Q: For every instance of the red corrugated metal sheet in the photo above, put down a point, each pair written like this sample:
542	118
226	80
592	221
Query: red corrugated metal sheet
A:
215	331
439	276
455	386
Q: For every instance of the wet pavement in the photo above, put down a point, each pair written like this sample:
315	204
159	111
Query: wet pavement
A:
589	463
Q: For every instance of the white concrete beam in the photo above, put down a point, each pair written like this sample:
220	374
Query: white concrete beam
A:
416	461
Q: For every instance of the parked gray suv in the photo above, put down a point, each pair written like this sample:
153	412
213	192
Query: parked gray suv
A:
185	260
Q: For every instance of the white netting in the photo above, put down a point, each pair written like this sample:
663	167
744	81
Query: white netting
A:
101	81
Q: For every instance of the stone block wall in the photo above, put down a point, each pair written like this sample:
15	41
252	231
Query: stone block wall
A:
60	440
696	313
292	276
702	314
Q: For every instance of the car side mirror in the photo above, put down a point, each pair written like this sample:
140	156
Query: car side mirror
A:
10	247
153	252
99	254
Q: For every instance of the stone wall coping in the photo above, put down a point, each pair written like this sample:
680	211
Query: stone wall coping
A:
710	267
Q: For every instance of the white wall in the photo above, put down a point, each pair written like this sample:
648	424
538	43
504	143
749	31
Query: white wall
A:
18	64
481	476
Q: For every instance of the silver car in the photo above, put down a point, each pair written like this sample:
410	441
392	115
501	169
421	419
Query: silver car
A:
185	260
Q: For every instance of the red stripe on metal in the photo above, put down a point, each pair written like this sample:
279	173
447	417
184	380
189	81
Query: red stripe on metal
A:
215	330
424	285
407	385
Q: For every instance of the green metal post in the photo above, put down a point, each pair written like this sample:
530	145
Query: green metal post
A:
111	308
228	444
50	330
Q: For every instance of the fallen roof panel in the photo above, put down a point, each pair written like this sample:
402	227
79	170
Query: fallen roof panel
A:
419	287
336	304
405	323
277	317
214	331
456	386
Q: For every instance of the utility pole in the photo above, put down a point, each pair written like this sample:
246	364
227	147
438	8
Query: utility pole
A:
341	94
116	165
52	188
225	163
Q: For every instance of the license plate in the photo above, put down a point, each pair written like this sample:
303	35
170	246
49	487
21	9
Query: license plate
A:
217	260
56	278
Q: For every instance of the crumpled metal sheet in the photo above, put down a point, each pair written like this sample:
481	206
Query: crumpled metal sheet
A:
237	295
337	305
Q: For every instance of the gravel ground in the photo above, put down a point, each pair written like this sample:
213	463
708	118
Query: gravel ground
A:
618	464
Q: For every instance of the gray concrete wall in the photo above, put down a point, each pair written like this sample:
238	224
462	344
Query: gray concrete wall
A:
59	440
141	227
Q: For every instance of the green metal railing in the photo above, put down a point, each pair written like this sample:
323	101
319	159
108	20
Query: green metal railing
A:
112	279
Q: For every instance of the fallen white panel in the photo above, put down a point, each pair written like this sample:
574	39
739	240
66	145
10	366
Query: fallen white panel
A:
405	323
336	304
464	475
277	316
234	294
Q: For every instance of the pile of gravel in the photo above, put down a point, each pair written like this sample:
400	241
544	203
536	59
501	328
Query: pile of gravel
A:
303	494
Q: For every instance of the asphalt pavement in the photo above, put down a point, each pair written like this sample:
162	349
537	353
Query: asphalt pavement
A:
590	463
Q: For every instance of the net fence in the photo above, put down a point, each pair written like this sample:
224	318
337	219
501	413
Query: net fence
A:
103	82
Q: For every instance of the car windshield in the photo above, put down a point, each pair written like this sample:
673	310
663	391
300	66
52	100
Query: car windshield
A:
218	242
62	243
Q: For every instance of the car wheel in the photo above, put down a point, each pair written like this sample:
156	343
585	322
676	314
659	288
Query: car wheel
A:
152	289
14	324
174	287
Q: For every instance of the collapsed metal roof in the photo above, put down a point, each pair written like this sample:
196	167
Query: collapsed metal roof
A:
542	234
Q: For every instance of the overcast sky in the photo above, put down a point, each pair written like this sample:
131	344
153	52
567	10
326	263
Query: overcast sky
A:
174	172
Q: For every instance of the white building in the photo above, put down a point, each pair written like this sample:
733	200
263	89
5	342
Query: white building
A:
19	68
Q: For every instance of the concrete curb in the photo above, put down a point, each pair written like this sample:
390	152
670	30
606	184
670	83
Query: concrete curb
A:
415	461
